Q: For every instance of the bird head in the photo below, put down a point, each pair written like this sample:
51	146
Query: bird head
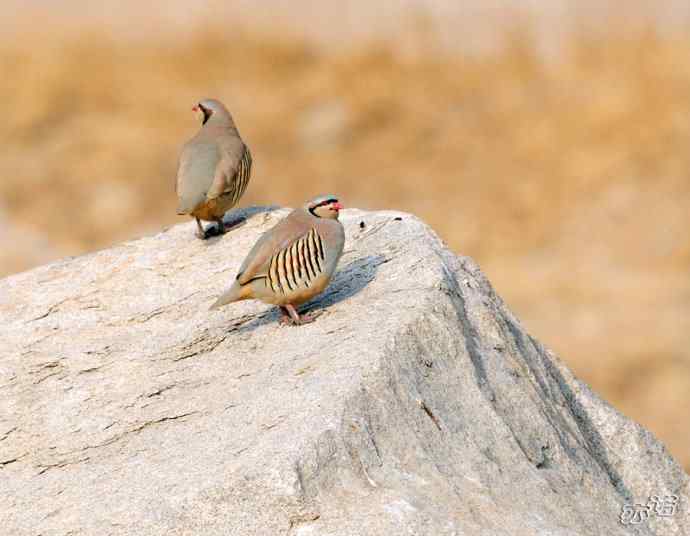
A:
211	108
325	206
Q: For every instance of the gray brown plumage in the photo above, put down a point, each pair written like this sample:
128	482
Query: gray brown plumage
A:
214	168
294	261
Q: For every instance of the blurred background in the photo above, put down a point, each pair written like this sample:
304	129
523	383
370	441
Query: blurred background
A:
549	140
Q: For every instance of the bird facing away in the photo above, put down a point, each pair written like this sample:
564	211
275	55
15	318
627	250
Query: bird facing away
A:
292	262
214	168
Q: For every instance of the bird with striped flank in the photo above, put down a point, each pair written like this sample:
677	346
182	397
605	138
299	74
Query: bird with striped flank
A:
214	169
292	262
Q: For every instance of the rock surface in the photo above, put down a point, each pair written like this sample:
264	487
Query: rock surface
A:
416	404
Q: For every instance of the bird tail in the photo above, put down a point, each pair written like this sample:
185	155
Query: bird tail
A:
235	293
187	204
182	208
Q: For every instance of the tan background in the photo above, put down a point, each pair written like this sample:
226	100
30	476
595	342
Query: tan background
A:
551	142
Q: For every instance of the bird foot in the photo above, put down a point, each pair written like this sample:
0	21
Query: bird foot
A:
211	231
306	318
285	320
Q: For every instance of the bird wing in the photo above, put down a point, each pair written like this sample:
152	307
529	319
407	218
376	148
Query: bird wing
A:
196	170
233	168
291	228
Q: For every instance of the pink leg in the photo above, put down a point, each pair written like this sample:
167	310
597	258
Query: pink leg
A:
291	316
294	315
200	230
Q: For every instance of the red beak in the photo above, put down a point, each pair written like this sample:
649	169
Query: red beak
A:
337	206
196	108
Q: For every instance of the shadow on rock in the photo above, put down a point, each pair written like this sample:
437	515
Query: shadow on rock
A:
347	282
234	219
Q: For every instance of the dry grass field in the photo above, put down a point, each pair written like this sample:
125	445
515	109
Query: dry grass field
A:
567	178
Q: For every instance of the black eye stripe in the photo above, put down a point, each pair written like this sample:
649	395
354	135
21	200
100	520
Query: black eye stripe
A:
324	203
206	111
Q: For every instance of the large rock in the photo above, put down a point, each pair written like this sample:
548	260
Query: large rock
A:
415	404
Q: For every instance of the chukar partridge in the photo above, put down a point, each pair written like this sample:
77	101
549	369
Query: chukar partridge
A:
214	168
292	262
